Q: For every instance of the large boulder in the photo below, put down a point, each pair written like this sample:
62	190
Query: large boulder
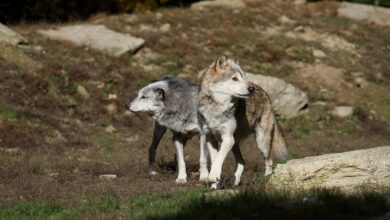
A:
347	171
234	4
9	36
97	37
374	14
287	99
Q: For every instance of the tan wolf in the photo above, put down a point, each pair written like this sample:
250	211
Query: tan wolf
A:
229	109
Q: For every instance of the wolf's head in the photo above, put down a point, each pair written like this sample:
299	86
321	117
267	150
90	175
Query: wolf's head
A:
150	98
225	77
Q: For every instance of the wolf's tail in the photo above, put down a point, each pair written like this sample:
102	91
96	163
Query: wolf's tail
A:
278	144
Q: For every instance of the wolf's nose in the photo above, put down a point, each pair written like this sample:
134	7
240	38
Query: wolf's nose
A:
251	89
127	106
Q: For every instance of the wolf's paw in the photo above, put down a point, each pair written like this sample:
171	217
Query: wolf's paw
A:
237	181
204	178
268	171
215	186
181	181
214	177
153	172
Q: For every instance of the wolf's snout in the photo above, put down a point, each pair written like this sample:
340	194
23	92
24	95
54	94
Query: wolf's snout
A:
127	106
251	89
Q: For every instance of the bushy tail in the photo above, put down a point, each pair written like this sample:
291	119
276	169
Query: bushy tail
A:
278	144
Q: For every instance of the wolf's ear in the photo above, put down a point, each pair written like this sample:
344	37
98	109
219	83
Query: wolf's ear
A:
237	60
220	63
159	92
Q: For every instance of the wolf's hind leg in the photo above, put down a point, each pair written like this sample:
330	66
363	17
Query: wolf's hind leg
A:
179	143
263	140
158	133
240	163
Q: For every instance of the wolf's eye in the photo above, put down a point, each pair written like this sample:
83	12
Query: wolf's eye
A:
143	97
235	79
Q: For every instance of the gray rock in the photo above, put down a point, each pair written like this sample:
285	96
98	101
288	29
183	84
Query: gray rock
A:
378	15
110	129
286	20
342	111
318	53
347	171
97	37
219	3
108	176
299	2
165	28
9	36
83	92
111	108
287	100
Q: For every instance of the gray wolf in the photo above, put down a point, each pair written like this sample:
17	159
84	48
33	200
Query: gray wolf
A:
172	103
229	109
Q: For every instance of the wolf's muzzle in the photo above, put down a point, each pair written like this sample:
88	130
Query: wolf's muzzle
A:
127	106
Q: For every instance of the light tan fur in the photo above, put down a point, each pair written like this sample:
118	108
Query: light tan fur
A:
246	113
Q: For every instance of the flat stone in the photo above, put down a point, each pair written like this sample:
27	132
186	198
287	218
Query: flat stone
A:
111	108
234	4
9	36
342	111
165	28
286	20
110	129
376	14
318	53
82	91
97	37
108	176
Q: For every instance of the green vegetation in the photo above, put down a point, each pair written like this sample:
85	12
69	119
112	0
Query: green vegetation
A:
31	210
7	112
189	203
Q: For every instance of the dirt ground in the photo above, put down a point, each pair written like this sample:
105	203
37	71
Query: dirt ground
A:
54	143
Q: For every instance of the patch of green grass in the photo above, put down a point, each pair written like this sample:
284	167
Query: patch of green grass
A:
8	112
189	203
303	54
164	204
173	66
109	83
387	48
304	130
53	210
105	141
106	203
32	210
260	204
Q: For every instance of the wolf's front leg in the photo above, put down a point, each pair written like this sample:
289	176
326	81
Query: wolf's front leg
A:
216	167
179	143
203	170
158	133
